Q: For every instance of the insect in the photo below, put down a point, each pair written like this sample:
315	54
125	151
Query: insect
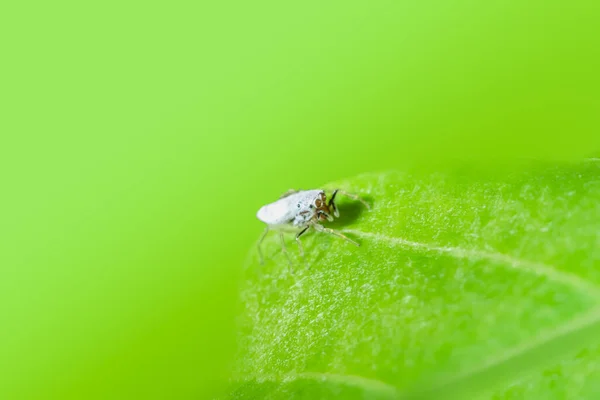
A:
301	210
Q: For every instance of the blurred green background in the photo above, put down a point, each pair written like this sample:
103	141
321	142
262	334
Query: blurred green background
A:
138	139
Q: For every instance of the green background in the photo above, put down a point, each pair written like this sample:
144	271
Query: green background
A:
138	139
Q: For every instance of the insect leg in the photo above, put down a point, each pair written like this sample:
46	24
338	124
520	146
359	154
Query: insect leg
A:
260	254
329	217
300	248
284	250
321	228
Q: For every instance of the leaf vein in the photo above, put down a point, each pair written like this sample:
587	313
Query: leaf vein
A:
367	384
517	362
536	268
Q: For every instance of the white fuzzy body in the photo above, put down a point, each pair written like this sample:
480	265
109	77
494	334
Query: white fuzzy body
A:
297	209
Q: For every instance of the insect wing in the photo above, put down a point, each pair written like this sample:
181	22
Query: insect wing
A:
280	212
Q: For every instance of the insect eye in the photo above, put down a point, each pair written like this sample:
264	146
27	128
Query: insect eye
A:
311	206
298	205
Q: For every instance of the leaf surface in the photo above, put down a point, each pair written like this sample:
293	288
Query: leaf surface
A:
463	284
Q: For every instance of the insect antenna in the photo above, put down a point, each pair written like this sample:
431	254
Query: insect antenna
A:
331	204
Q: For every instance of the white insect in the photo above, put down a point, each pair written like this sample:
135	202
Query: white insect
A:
301	210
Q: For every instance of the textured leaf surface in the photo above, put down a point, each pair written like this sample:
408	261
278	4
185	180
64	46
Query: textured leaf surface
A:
463	284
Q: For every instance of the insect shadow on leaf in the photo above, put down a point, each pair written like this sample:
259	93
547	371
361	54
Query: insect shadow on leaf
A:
350	211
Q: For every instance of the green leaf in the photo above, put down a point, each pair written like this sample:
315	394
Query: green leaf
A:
465	284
